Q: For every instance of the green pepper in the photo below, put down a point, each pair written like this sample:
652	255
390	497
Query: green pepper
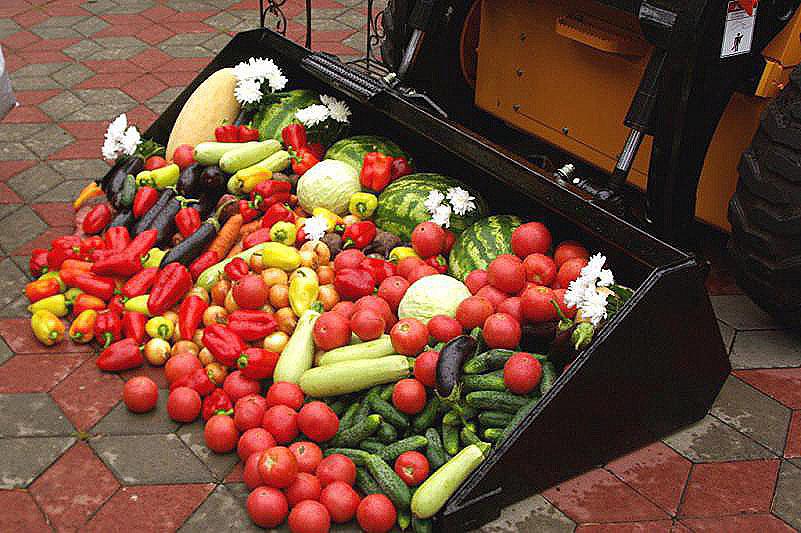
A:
283	232
363	204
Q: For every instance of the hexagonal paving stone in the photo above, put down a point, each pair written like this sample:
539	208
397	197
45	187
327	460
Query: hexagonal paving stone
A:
59	22
728	333
786	497
27	225
16	308
56	32
90	26
26	458
5	352
217	43
765	349
86	49
535	513
184	40
150	459
711	440
8	27
49	140
63	192
31	415
38	69
35	181
34	83
11	280
18	132
120	421
223	510
219	464
18	512
100	104
80	169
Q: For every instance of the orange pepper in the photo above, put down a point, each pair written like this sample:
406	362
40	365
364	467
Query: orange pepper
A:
75	264
42	288
82	329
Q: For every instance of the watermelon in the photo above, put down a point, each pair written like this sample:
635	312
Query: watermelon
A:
352	149
400	205
482	242
272	118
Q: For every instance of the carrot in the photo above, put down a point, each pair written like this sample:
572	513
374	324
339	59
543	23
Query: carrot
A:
235	250
249	228
227	236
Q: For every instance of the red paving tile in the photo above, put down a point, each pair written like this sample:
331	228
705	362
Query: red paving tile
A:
144	88
26	115
653	526
783	384
141	116
8	196
18	512
50	45
86	130
176	79
235	475
793	446
190	27
764	523
17	334
30	18
19	40
55	213
127	30
112	66
156	373
185	64
150	59
74	487
716	489
109	80
87	395
159	14
151	508
598	496
36	373
154	35
35	97
85	149
47	56
655	471
9	169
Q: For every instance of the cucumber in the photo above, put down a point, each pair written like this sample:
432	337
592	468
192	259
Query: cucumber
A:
480	363
494	419
548	377
459	415
298	355
435	453
352	436
391	485
247	154
468	436
387	390
450	439
491	381
519	416
415	442
386	433
493	434
426	418
429	498
422	526
452	418
371	445
388	411
380	347
366	483
359	457
349	417
351	376
338	407
209	153
404	519
496	401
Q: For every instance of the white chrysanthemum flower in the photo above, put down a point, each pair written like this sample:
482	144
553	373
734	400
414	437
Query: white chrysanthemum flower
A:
434	200
243	71
117	128
312	115
338	110
130	141
248	91
276	80
442	216
593	267
110	148
315	228
574	294
261	68
606	278
461	200
593	308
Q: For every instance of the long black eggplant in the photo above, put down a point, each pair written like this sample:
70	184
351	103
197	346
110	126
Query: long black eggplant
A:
113	182
213	178
189	183
190	248
450	362
164	222
147	219
123	218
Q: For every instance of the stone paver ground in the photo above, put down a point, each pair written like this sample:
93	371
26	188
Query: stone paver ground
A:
72	457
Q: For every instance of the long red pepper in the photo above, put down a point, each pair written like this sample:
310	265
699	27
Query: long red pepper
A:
143	242
117	304
99	286
121	264
257	237
133	326
225	345
145	198
96	219
206	260
117	238
87	301
172	283
251	325
42	288
189	315
122	355
140	283
257	363
198	380
108	327
187	220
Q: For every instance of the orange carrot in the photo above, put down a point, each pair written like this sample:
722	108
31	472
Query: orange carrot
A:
227	236
234	250
249	228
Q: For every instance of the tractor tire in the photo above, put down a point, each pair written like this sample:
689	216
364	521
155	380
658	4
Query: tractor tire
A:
765	210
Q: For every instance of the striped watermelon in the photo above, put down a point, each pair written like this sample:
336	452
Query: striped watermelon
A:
352	149
400	205
271	119
482	242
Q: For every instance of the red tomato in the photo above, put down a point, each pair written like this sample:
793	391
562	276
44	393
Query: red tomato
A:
501	331
569	271
540	269
443	328
285	393
252	441
309	516
495	296
450	240
267	507
421	272
318	421
425	368
530	238
409	396
278	467
412	467
380	306
537	306
367	324
236	385
155	161
305	487
251	292
344	308
376	514
183	404
184	155
180	365
409	336
522	373
308	455
249	412
282	422
507	273
407	264
428	239
569	312
330	331
350	258
250	474
336	467
473	311
341	501
140	394
512	306
476	279
220	434
568	250
392	290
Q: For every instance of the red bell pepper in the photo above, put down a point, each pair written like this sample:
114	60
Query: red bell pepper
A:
142	243
317	149
251	325
97	219
172	283
90	283
117	238
42	288
140	283
353	283
122	264
257	363
379	268
359	234
122	355
133	326
300	235
146	197
198	380
236	269
277	213
117	304
92	244
257	237
376	171
87	301
226	134
438	262
246	134
187	220
302	160
190	314
400	168
38	262
225	345
294	136
248	210
218	402
108	327
268	193
206	260
63	248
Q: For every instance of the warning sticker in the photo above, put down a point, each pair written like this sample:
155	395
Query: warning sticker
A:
738	32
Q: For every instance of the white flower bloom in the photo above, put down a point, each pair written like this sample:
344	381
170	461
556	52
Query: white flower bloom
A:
315	228
442	215
248	91
276	80
110	149
435	198
593	268
130	141
594	306
574	294
312	115
117	128
339	110
606	278
461	200
259	70
243	72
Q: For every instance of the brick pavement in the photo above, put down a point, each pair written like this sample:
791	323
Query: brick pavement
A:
72	457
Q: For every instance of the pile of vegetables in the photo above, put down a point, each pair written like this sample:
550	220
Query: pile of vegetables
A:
360	334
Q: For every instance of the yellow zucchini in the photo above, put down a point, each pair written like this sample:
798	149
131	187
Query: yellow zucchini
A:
379	347
352	376
297	356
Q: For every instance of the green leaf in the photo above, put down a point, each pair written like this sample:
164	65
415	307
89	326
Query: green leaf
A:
148	148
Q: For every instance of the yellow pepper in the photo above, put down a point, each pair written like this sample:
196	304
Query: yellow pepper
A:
275	254
54	274
160	327
82	329
304	286
332	218
363	204
144	178
56	304
137	304
71	294
161	178
153	258
283	232
401	252
92	190
47	328
246	179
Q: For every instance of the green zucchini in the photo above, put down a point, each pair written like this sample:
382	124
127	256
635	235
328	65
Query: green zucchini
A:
365	482
493	434
391	485
494	419
209	153
435	453
351	376
359	457
388	411
450	439
386	433
247	154
427	417
359	431
491	381
297	357
371	445
496	401
277	162
429	498
392	451
349	417
404	519
548	377
420	525
380	347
